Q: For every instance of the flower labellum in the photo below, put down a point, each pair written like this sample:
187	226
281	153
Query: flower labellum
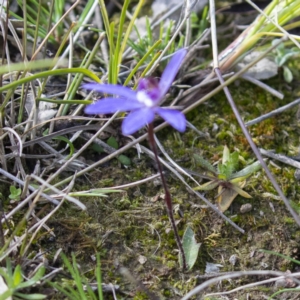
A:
143	103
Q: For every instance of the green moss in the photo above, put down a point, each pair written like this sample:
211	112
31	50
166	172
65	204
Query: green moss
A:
289	220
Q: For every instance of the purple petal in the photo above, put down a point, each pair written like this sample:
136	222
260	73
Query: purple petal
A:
136	120
174	117
111	89
170	71
112	105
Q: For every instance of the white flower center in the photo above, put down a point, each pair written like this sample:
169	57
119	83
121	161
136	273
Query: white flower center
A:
142	97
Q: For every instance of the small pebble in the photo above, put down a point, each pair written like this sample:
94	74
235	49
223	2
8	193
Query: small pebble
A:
297	174
142	259
233	259
264	265
212	268
245	208
272	207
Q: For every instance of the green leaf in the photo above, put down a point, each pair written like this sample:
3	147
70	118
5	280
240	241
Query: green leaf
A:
123	159
5	295
207	186
190	248
64	139
17	277
37	276
204	163
229	164
112	142
246	172
14	191
30	296
286	57
226	155
225	171
287	74
233	161
5	291
240	191
97	148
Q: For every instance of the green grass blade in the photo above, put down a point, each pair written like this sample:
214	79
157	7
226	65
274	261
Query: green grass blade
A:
64	139
83	102
144	73
247	171
32	65
105	18
49	73
204	164
112	78
141	61
99	277
128	31
78	78
120	32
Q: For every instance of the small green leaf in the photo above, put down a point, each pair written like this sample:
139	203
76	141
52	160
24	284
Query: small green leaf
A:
286	57
33	280
30	296
225	171
97	148
207	186
204	163
248	170
14	193
226	155
17	277
287	74
233	161
123	159
5	295
112	142
190	248
240	191
64	139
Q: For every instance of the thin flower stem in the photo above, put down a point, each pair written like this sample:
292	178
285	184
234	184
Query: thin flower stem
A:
168	198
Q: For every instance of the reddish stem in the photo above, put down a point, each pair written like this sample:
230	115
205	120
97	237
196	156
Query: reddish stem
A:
168	198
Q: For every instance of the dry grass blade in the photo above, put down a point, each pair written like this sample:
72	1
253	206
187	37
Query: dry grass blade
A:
200	288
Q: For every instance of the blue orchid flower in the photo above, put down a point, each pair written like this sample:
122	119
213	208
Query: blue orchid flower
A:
143	103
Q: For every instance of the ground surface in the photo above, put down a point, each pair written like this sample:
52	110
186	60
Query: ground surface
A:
132	230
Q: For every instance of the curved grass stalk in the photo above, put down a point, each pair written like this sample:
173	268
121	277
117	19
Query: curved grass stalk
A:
50	73
32	65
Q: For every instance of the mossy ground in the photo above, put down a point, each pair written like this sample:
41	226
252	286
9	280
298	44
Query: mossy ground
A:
132	229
